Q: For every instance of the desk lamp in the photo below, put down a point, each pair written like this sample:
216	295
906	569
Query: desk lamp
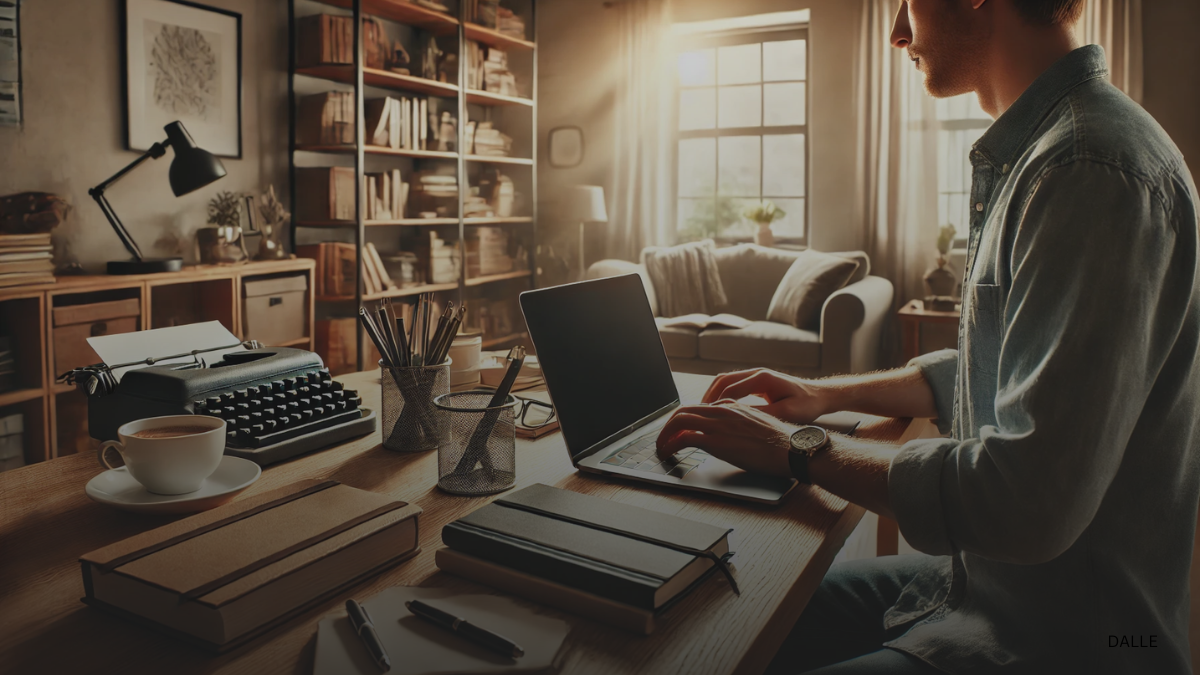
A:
585	203
191	169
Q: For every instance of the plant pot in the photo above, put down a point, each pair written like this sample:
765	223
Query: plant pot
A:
940	280
764	236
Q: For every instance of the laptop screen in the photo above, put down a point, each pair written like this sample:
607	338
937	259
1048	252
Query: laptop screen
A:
601	356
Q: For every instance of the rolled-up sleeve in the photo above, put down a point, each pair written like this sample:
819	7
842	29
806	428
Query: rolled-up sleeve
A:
940	370
1098	291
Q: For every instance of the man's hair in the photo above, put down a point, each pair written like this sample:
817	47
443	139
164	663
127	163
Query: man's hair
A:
1050	12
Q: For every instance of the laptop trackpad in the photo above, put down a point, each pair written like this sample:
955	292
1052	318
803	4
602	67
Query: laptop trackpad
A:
718	474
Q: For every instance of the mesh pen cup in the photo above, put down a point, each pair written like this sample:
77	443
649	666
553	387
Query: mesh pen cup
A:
411	422
479	456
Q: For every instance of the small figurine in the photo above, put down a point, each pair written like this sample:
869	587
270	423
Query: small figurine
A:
274	217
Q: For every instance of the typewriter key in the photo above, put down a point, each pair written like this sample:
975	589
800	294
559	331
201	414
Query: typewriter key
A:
214	402
277	386
241	395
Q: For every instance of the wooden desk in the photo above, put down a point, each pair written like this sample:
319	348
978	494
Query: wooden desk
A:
46	523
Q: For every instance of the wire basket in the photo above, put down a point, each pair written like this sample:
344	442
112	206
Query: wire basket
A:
479	456
411	422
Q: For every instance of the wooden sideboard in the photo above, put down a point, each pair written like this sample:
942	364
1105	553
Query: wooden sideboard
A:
55	414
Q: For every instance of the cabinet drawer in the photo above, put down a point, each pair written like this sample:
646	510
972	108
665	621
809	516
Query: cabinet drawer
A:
71	349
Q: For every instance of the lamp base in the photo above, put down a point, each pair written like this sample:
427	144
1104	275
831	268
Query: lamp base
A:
145	266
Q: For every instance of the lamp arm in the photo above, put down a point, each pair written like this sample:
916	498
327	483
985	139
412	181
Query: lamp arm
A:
157	150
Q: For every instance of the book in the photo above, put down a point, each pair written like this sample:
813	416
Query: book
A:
325	193
14	257
44	266
225	576
37	239
703	321
617	551
26	279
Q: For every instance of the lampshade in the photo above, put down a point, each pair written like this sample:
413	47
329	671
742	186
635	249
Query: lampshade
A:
192	168
585	204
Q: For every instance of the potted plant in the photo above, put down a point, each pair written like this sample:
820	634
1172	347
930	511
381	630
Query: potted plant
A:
764	214
940	280
222	243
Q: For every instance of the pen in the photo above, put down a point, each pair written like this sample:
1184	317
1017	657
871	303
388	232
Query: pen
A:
480	636
366	632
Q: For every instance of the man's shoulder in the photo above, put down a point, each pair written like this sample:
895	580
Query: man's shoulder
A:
1098	124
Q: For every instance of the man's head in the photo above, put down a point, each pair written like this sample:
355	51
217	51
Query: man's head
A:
952	41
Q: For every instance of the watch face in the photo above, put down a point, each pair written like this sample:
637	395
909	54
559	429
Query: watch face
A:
808	437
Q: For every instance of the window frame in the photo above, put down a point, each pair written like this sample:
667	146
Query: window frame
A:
757	35
949	125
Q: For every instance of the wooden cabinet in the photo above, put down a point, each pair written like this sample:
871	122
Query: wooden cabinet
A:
45	324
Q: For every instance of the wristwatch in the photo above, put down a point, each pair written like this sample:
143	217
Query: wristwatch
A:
806	442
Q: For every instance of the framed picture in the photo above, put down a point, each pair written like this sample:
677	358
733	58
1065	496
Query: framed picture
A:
566	147
182	61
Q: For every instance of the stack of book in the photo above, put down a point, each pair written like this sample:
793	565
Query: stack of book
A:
329	40
25	259
509	23
433	194
327	193
440	258
8	365
335	273
488	140
326	119
483	12
487	252
487	70
616	563
12	442
400	124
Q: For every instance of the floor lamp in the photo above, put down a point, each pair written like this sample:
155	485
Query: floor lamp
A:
585	204
192	169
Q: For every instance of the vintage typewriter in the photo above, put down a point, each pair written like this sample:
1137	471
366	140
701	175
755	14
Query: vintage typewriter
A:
276	402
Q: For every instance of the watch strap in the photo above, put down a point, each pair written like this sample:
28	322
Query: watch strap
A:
798	461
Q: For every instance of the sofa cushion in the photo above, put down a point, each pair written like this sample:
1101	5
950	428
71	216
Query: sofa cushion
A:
750	275
864	264
764	343
678	342
812	278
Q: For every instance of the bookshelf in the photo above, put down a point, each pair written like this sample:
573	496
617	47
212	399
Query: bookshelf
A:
473	230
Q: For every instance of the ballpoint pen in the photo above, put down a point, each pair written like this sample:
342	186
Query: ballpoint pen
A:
481	636
366	632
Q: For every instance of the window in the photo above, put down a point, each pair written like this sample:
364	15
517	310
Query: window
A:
742	130
960	123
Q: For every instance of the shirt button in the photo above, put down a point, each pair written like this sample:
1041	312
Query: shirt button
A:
1004	169
979	206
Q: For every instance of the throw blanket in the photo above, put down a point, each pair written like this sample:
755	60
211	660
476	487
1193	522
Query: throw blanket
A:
686	279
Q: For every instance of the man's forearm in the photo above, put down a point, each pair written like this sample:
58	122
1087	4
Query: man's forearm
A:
902	392
856	471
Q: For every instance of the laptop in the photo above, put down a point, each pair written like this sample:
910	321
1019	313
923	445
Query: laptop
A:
612	388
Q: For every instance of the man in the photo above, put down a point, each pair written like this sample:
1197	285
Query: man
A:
1058	517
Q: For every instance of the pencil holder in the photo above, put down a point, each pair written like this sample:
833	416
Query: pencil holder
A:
479	456
411	422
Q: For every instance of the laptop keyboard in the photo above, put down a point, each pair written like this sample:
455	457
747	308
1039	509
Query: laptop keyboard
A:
640	456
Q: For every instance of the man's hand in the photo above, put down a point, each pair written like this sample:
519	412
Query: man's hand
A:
788	398
742	435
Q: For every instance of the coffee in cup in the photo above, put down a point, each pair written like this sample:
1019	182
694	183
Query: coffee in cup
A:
170	455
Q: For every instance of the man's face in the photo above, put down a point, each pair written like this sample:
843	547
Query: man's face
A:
944	39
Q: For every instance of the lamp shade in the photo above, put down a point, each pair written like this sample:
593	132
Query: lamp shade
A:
192	168
585	204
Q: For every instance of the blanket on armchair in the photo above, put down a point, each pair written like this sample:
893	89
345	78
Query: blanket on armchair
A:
685	278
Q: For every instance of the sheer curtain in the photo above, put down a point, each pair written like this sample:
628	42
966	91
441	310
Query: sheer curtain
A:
1116	25
642	175
896	178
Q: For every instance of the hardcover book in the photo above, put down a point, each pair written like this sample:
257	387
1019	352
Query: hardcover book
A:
622	553
223	577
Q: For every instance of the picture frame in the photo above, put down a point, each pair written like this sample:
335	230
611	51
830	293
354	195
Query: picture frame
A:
182	61
566	147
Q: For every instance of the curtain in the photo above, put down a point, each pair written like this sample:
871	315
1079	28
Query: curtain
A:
1116	25
896	177
641	173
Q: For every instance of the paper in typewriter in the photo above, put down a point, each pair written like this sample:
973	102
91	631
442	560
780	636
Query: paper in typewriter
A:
130	347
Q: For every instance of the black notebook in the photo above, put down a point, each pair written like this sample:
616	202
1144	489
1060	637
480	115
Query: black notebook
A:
620	552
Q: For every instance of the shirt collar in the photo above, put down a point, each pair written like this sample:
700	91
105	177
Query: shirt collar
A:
1007	136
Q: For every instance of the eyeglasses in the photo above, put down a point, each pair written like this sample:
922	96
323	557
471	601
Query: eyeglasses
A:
533	414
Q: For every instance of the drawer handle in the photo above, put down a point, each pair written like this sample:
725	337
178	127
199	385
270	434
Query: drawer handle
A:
276	300
99	328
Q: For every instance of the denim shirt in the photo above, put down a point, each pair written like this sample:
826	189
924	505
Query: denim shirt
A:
1065	498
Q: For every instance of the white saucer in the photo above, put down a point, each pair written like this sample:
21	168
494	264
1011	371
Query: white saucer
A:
116	487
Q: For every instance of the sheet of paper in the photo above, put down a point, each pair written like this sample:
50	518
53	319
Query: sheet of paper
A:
131	347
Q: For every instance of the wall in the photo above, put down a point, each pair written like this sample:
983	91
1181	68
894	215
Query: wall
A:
1171	58
73	132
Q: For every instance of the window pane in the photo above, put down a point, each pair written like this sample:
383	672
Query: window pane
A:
698	68
697	167
785	60
792	224
688	210
698	108
738	166
783	165
740	64
740	106
783	104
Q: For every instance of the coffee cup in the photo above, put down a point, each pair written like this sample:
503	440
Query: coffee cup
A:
170	455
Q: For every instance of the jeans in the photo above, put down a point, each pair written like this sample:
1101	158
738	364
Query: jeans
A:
841	631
